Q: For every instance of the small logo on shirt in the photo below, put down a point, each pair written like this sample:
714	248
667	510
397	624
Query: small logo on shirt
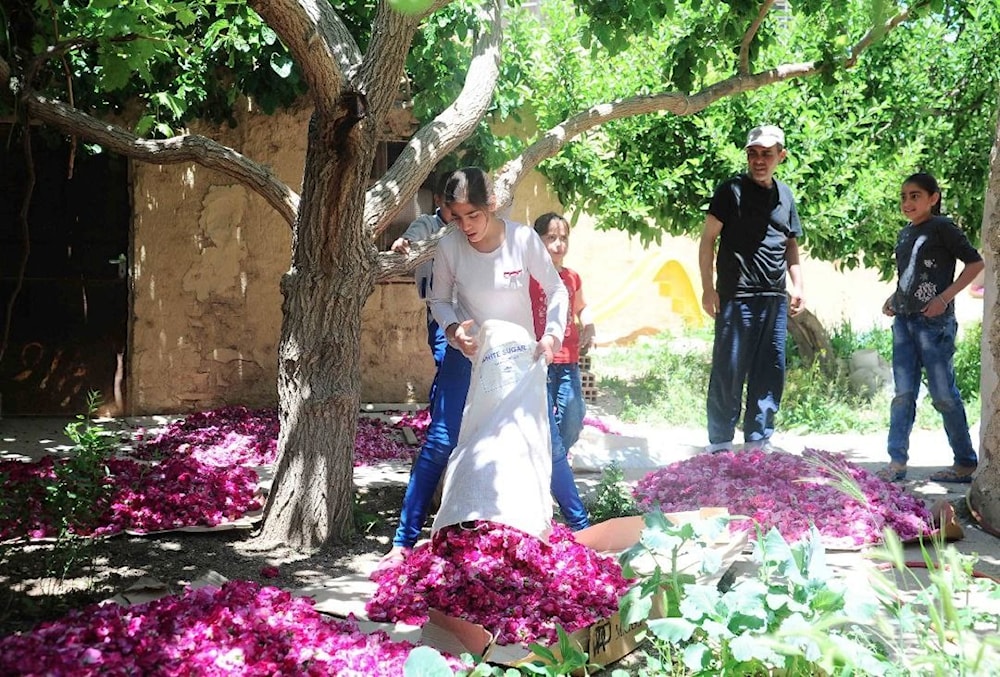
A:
512	277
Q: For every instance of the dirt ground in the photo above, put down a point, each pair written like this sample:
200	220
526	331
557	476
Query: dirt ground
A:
176	559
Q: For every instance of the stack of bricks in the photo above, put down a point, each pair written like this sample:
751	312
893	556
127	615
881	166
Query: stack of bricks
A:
588	380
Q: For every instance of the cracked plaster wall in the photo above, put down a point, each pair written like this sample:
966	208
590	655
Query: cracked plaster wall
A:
207	260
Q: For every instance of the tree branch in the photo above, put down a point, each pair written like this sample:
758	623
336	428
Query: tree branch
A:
440	136
876	33
382	67
22	219
320	43
391	264
554	139
186	148
749	36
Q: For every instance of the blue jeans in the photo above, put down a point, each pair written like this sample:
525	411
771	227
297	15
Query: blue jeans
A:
442	437
749	351
566	398
437	342
928	344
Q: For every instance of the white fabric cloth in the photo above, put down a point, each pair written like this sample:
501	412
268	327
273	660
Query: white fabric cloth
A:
501	468
495	285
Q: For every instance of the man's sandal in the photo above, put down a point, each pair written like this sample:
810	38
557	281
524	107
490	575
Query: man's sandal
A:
892	473
956	475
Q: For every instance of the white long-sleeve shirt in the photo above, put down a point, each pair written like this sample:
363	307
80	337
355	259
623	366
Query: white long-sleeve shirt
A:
495	285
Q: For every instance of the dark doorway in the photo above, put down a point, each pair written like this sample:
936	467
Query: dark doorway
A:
68	326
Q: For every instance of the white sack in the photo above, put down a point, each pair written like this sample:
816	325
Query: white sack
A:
502	467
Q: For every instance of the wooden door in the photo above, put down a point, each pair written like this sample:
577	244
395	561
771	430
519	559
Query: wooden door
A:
67	326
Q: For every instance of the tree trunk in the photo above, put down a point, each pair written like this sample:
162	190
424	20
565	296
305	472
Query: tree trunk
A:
813	341
319	375
984	494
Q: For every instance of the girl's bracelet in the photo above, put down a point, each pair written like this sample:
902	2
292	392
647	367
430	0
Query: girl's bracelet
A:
943	302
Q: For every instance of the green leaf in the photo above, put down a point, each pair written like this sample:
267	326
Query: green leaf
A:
281	64
173	103
185	16
697	657
425	661
660	541
700	602
635	606
827	600
777	601
673	630
115	71
747	647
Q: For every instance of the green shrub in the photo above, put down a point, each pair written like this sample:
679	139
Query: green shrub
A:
968	360
846	341
795	617
799	616
71	501
664	381
613	497
814	402
660	380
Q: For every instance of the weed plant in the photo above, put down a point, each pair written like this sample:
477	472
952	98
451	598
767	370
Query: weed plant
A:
70	502
663	380
798	617
613	497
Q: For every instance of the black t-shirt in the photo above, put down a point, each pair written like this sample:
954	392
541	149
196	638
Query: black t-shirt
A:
756	225
925	262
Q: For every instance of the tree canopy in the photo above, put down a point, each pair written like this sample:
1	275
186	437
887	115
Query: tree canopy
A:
921	98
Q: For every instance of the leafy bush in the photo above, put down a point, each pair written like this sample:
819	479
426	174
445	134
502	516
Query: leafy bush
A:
73	498
795	617
658	380
968	360
943	629
663	380
613	497
816	403
798	616
846	341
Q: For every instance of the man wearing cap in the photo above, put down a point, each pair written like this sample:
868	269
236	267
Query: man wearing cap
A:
757	284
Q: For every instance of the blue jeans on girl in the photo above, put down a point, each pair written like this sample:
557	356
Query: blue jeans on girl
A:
437	342
454	377
749	349
928	344
566	397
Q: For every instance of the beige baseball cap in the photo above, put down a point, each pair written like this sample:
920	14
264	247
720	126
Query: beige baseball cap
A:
766	136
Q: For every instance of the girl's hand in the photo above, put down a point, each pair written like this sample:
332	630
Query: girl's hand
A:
936	306
887	308
461	337
547	347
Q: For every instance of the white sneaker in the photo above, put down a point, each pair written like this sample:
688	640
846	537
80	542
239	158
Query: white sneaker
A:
719	448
